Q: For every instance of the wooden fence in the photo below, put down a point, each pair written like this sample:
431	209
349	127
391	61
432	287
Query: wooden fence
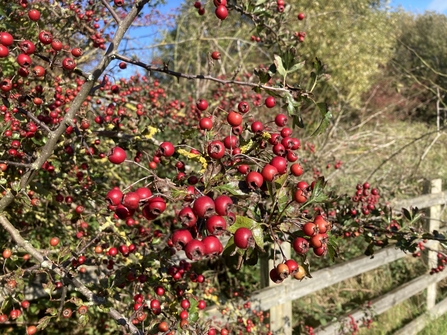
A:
278	298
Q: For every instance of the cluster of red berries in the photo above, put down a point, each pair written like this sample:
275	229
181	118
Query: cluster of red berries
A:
255	38
366	197
316	232
309	330
442	261
200	9
213	214
125	205
286	269
300	35
221	10
23	59
280	5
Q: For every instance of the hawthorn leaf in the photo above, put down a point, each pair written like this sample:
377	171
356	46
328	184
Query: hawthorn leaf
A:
242	222
296	67
44	322
258	236
279	66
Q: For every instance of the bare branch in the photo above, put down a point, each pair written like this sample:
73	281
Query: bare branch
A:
165	69
25	165
112	11
35	120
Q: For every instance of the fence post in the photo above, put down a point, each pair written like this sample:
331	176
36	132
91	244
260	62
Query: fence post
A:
280	315
432	223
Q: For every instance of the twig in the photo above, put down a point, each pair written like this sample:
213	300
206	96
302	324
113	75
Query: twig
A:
25	165
165	69
35	119
112	11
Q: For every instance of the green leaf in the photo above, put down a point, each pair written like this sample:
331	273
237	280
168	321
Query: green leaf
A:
297	121
288	58
279	66
306	266
263	76
190	133
406	213
194	316
318	66
51	311
260	2
230	247
242	222
251	257
281	180
258	236
44	322
332	248
272	70
296	67
232	188
83	320
323	108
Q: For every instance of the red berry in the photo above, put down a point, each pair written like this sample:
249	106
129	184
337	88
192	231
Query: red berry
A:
6	39
68	64
45	37
76	52
300	16
195	250
54	241
166	149
24	60
281	120
204	206
301	245
4	51
243	238
117	155
270	102
243	107
234	118
34	15
296	169
201	304
202	104
27	47
216	149
206	123
221	12
254	180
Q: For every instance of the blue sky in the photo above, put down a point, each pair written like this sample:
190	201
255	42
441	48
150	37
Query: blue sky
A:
419	6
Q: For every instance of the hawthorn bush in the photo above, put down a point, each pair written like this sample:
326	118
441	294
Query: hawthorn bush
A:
125	208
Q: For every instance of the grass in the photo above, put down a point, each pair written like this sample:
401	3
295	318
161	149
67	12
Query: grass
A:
397	157
436	327
396	317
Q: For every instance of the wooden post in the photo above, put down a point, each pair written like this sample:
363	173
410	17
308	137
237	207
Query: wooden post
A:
432	223
280	315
